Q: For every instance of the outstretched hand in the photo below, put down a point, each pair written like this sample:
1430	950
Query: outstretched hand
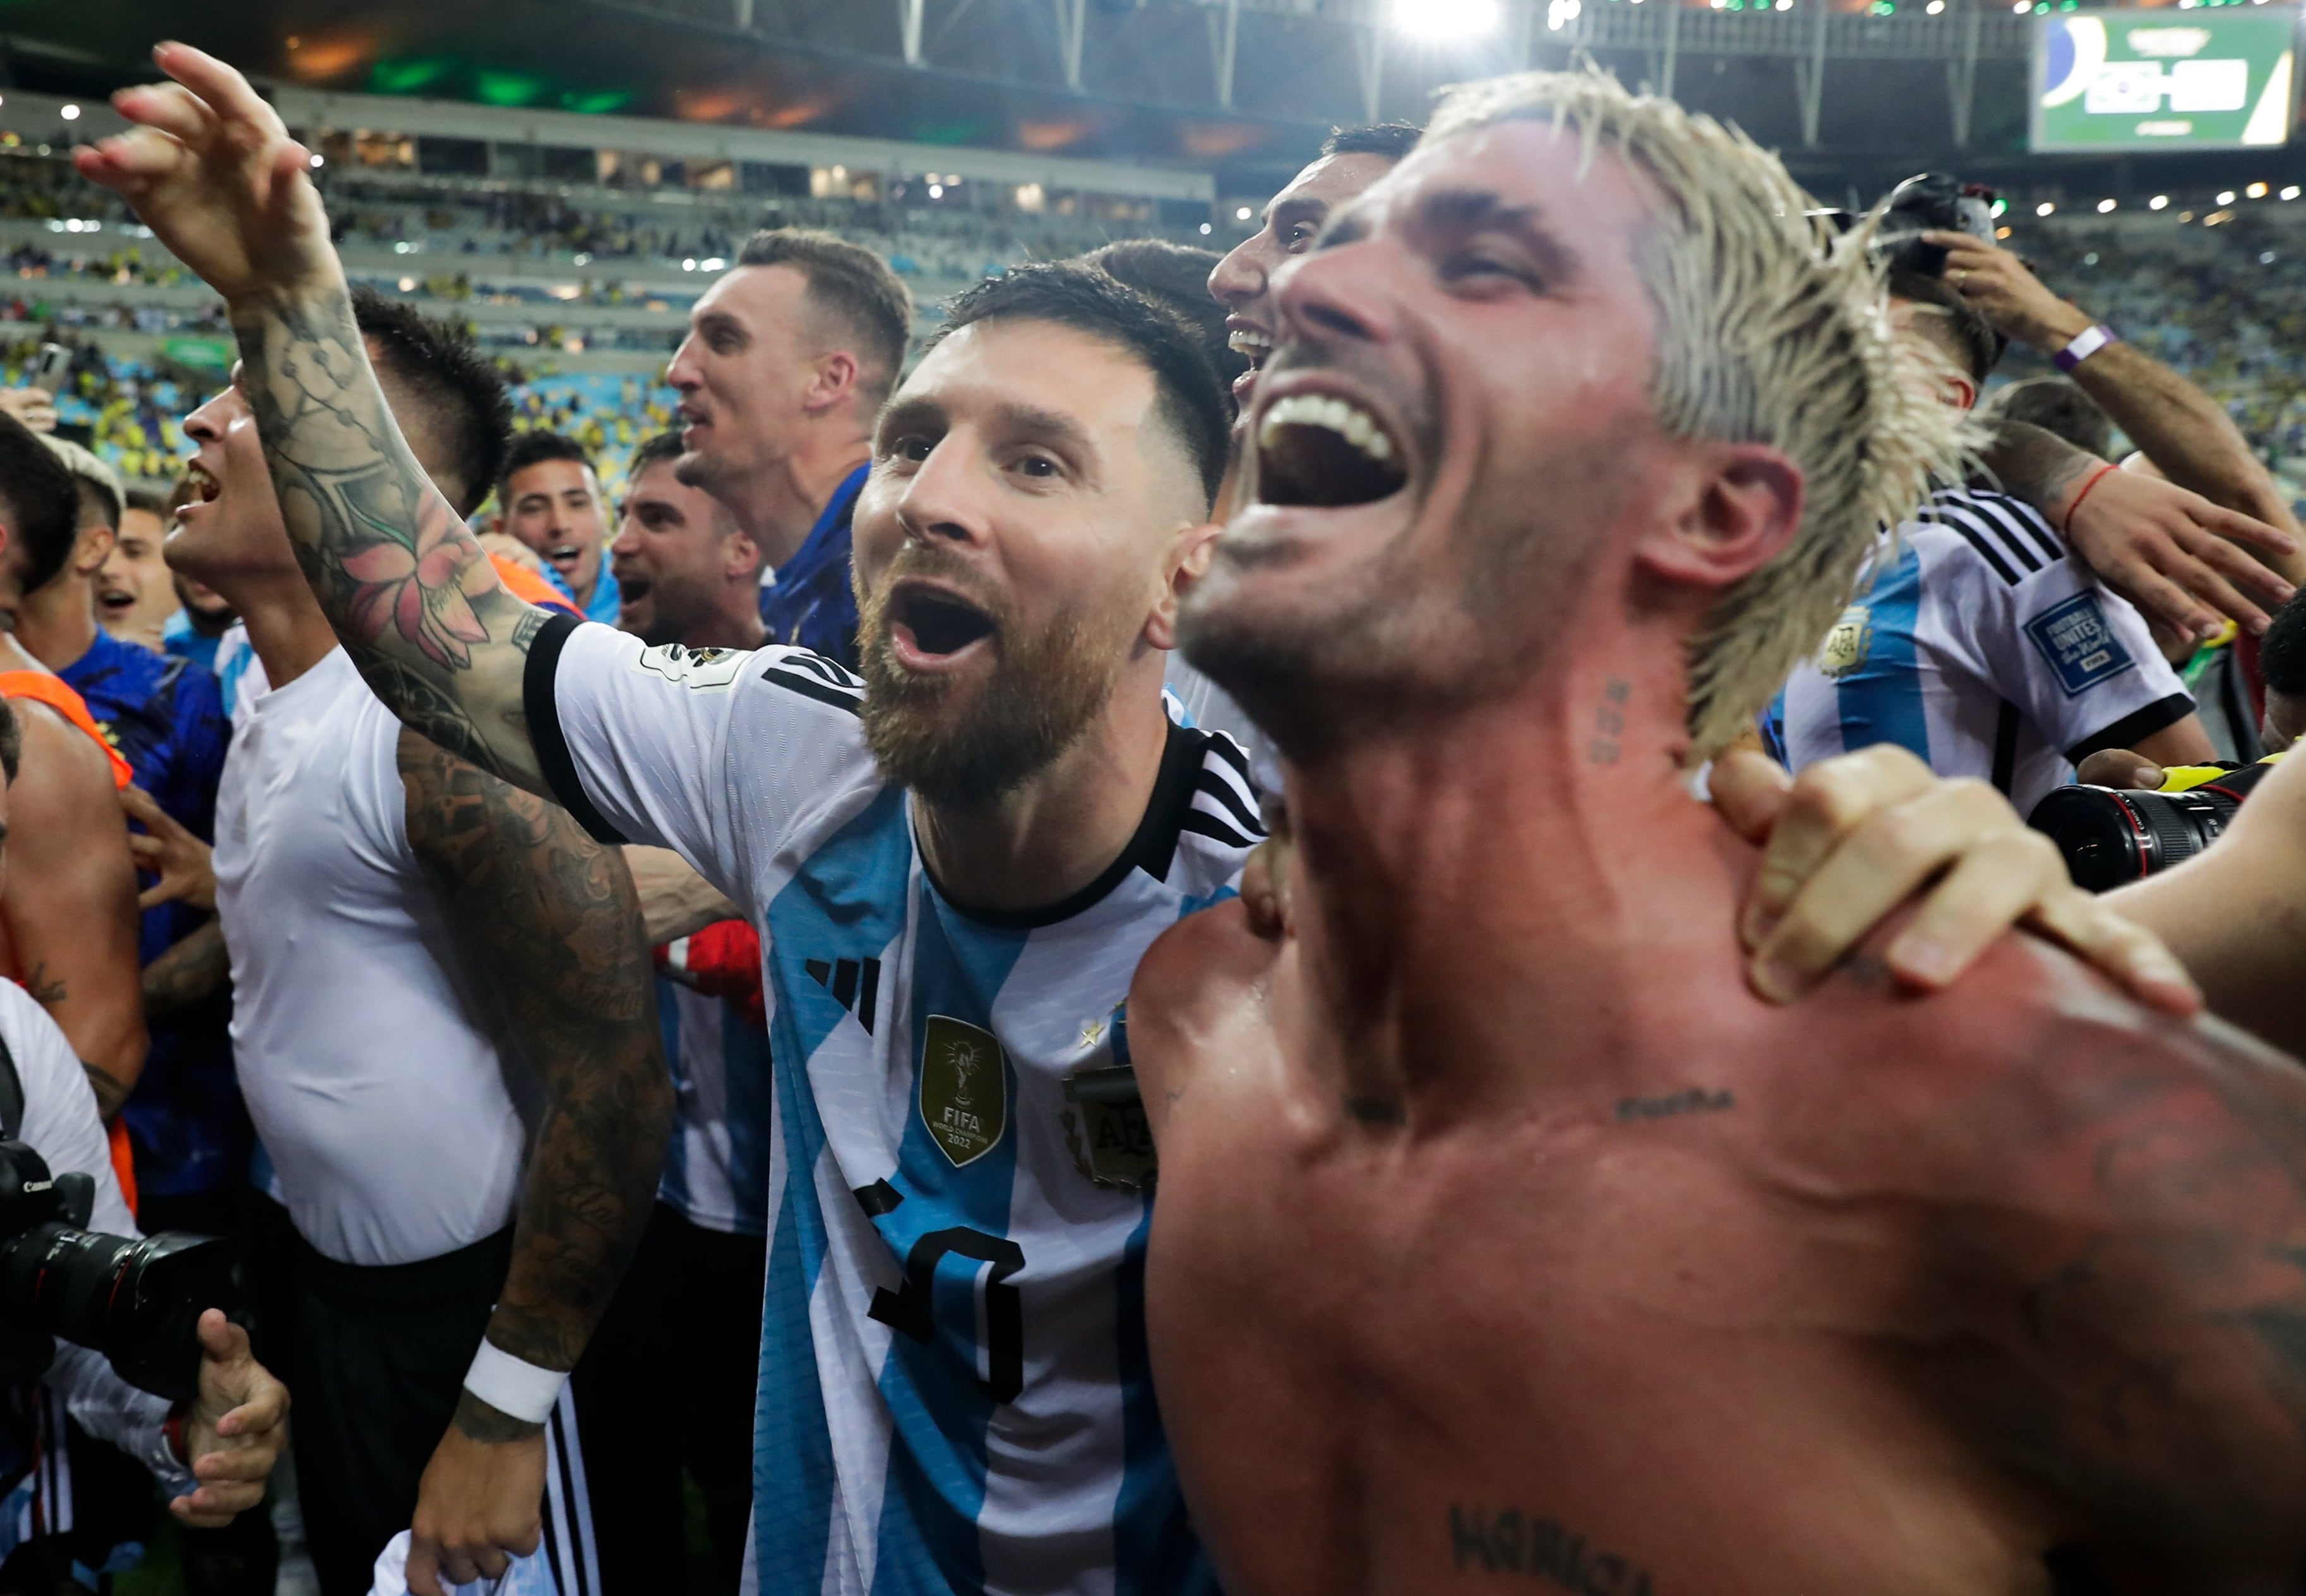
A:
211	168
185	864
234	1431
2176	555
1854	838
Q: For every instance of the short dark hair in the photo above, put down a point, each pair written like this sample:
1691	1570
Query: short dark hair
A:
2281	651
533	447
1176	278
2056	404
1068	293
1392	139
855	288
41	500
11	741
445	371
152	502
1963	332
655	451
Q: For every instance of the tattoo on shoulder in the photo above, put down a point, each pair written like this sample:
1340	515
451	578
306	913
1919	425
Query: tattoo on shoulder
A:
1509	1541
1694	1099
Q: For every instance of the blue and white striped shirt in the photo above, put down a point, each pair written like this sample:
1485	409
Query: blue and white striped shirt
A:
954	1390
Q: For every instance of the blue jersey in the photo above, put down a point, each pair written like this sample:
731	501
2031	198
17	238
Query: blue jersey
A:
1977	643
165	715
811	604
954	1392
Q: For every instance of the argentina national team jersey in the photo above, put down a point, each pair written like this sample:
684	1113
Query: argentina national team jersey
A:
955	1393
1984	650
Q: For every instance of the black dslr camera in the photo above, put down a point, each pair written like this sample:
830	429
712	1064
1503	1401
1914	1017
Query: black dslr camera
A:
2110	837
138	1302
1931	202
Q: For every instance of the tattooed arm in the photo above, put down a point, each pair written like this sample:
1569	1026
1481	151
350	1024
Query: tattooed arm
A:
70	908
2122	1276
209	166
553	918
2181	559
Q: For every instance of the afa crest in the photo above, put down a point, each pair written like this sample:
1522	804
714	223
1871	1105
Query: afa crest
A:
964	1092
1847	645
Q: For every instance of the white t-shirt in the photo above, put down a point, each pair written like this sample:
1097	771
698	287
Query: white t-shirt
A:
955	1391
1988	652
370	1057
61	1125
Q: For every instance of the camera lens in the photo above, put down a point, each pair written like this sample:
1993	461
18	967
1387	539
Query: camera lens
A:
2109	837
138	1300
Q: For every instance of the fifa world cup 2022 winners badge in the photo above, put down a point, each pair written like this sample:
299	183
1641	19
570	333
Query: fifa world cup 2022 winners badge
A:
964	1089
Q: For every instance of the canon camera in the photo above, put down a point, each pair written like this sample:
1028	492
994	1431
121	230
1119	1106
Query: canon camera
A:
136	1300
2112	836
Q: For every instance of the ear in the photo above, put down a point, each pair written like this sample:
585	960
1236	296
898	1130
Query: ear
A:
1741	505
1188	561
740	556
91	549
835	381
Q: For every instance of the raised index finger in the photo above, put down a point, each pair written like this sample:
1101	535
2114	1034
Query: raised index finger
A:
216	82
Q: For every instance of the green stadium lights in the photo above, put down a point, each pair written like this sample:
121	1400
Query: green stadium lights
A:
2041	8
1999	206
506	88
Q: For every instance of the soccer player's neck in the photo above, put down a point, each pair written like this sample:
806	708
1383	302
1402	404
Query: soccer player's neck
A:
779	505
56	621
1064	827
287	627
1485	897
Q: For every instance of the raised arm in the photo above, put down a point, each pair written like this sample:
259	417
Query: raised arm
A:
552	917
2178	557
212	169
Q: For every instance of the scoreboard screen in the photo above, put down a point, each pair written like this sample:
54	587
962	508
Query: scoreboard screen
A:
2168	78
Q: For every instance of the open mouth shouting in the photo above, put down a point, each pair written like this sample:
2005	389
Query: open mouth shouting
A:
203	484
112	603
933	629
1324	451
564	558
1254	344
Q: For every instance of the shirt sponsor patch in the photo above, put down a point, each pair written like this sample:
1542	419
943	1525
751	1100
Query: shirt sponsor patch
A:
703	669
2072	636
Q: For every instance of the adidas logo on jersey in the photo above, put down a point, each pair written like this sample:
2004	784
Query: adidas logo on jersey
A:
855	984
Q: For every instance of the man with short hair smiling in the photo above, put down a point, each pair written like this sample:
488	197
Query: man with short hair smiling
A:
1490	1191
787	358
134	599
953	868
549	499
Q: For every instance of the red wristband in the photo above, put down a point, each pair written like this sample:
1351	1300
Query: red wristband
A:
173	1428
2096	477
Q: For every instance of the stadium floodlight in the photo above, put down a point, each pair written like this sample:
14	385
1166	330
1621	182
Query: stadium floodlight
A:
1242	214
690	264
2044	208
2226	197
2256	190
2104	206
2157	203
2291	192
1447	19
70	113
1205	229
319	161
1934	8
937	191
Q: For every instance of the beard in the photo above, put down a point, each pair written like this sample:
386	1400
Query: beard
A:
1046	690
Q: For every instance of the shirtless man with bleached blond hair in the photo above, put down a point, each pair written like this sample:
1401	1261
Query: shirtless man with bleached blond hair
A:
1505	1236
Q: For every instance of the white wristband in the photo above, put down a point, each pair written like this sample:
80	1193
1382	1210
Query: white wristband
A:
2085	343
514	1387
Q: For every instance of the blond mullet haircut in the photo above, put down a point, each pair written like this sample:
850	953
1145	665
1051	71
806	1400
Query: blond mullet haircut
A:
1770	330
